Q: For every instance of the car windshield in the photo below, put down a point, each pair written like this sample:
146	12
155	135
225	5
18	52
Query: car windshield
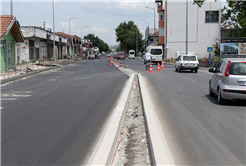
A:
120	54
131	52
189	58
238	68
156	51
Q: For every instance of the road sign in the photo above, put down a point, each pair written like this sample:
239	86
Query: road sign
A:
210	50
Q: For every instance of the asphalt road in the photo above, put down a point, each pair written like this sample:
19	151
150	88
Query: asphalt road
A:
197	129
57	117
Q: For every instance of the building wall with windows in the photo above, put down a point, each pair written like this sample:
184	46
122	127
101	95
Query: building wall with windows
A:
203	27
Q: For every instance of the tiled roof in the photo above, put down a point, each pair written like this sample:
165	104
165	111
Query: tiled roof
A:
5	21
156	34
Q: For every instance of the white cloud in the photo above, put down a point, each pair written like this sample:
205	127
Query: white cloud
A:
99	30
47	25
66	24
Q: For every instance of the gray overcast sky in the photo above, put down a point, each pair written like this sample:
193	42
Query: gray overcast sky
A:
101	16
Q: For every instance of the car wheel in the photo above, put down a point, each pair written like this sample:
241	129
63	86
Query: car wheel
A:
196	71
211	93
176	69
220	98
179	70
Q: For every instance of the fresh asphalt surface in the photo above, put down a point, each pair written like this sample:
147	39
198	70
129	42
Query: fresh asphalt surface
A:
197	129
57	117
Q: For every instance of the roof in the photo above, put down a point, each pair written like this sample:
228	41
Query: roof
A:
9	23
156	34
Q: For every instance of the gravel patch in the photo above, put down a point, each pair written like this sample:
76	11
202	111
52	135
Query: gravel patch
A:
133	146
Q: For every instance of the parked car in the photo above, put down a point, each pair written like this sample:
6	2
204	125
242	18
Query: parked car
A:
187	62
228	81
121	55
115	56
108	55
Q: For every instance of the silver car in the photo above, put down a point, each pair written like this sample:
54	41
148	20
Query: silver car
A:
228	81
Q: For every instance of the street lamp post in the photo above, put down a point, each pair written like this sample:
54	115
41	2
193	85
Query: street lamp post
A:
145	34
154	22
70	35
82	37
82	31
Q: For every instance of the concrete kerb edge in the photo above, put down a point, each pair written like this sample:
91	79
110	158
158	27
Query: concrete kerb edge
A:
158	149
103	154
26	75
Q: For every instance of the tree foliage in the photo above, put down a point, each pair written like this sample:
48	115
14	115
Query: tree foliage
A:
128	34
235	13
97	42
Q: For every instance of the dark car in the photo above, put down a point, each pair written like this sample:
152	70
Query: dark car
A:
115	56
121	55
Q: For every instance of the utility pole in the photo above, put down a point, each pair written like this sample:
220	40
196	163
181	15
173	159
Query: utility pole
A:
54	31
137	42
44	24
186	27
11	7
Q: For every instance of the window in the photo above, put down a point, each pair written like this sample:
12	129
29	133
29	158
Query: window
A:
218	67
212	16
162	32
162	16
238	68
189	58
156	51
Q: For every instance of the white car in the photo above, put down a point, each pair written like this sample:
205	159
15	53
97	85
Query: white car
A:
187	62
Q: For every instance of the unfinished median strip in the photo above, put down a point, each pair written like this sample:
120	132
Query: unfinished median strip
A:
133	135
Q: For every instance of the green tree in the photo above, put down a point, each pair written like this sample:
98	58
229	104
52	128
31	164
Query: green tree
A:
127	34
97	42
234	13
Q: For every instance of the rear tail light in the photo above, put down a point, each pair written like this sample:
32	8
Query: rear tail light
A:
198	64
180	64
227	69
244	62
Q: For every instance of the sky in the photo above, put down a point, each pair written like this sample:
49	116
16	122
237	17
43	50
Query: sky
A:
100	16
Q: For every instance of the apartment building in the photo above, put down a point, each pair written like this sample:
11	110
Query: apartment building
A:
203	26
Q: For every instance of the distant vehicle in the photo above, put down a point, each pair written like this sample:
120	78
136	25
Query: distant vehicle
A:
121	55
92	56
103	53
115	56
131	54
156	53
228	81
187	62
108	55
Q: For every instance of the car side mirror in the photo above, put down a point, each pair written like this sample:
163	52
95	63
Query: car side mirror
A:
211	70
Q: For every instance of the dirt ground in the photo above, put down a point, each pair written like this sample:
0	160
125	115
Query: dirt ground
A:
133	146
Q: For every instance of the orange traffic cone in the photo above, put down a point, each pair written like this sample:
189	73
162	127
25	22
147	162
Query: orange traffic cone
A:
111	63
115	63
162	65
158	68
150	68
121	65
111	59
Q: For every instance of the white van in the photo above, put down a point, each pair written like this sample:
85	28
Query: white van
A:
156	53
131	54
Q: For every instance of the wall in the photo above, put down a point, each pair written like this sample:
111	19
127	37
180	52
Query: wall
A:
10	37
200	34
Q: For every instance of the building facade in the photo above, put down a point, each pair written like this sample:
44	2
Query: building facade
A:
203	26
10	35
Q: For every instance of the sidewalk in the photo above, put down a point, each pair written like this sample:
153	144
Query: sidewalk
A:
31	68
